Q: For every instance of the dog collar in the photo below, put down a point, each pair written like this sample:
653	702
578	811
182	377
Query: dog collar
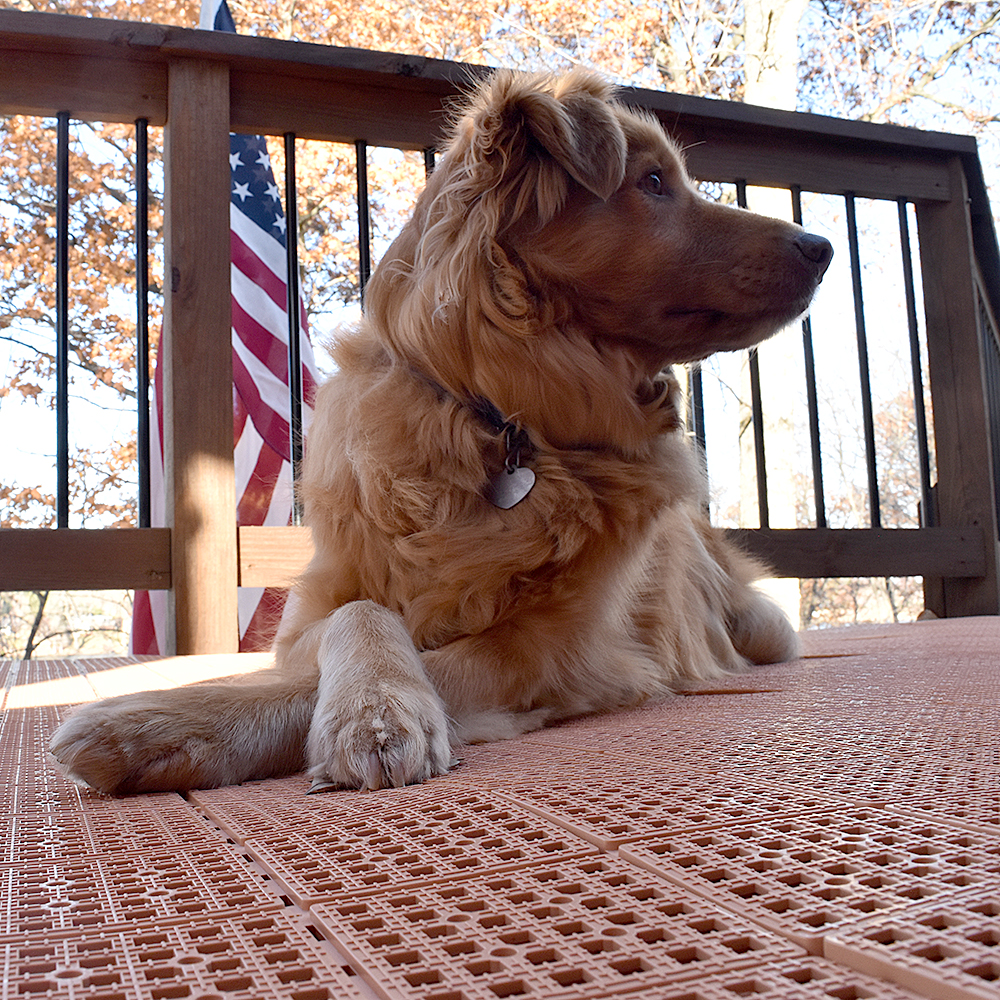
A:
514	481
509	486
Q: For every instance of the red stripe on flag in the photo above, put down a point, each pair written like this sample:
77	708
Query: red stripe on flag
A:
245	260
264	345
260	633
256	500
272	427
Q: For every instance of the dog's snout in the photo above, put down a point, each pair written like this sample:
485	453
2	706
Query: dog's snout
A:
816	249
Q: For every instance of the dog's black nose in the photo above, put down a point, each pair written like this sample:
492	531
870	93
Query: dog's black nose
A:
815	248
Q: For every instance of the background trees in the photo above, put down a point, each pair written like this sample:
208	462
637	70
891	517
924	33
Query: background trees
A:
919	62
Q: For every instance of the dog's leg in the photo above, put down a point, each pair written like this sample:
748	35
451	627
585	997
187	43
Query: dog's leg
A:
378	721
200	736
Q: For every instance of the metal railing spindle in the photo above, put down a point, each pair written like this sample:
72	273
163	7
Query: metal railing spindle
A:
927	515
62	319
294	320
863	366
364	218
142	316
756	407
812	402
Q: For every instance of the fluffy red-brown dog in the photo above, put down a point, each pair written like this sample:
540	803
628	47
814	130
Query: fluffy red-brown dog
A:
506	515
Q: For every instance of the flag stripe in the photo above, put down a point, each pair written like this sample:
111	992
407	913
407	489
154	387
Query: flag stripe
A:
271	425
250	264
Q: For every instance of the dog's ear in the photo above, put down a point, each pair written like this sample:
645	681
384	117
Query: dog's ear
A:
568	120
579	129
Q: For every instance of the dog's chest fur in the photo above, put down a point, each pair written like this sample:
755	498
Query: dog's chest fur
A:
410	515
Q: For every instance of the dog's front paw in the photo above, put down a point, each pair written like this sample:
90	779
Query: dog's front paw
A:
129	744
378	721
379	746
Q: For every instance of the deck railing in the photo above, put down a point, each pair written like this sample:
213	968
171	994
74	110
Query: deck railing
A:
201	85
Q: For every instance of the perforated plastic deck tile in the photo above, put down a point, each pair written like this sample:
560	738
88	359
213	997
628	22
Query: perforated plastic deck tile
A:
86	891
974	807
27	781
95	826
947	947
251	956
580	928
320	845
799	979
613	809
686	851
44	816
805	876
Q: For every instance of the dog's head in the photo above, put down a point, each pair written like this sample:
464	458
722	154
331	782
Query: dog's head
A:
557	215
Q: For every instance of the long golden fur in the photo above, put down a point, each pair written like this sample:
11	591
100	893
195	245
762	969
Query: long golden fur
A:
557	263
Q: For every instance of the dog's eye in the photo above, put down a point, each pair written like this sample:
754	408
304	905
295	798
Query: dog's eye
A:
652	183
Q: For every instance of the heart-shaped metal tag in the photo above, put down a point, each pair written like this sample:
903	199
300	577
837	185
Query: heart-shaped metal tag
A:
509	487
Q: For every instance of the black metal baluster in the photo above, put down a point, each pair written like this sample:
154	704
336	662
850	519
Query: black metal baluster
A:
294	321
865	375
364	218
62	319
756	407
927	517
812	402
696	406
142	315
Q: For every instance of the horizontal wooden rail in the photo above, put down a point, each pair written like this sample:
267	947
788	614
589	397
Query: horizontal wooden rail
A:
139	558
61	63
200	85
273	557
84	559
825	552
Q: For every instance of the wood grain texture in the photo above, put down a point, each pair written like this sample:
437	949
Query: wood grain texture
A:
826	552
197	361
115	71
273	557
84	559
964	493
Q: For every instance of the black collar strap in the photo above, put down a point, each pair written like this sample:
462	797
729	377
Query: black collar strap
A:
514	482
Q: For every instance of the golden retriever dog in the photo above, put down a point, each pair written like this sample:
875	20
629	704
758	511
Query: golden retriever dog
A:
507	517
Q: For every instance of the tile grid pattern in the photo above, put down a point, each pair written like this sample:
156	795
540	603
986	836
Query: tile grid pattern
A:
828	828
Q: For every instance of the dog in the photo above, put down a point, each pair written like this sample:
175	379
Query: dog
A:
507	517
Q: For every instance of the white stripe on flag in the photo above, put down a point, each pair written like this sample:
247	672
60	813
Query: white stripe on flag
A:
255	301
270	252
245	456
247	599
271	255
279	513
273	392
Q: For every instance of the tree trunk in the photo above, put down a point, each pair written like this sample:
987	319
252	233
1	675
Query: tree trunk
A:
29	648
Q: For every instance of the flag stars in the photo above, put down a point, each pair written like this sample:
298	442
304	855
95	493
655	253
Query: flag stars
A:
254	190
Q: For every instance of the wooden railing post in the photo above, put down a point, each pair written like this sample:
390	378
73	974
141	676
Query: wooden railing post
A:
965	490
197	361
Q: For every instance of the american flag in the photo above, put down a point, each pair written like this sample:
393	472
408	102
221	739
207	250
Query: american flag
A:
261	408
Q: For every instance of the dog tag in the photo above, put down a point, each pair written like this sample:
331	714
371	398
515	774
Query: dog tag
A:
509	487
